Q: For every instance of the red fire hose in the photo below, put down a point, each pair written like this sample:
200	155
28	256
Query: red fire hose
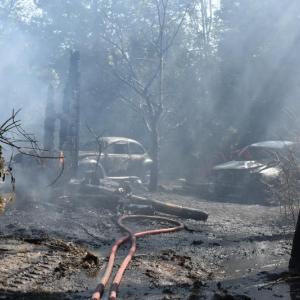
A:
132	236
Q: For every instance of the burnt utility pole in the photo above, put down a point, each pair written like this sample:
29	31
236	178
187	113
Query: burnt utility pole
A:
70	119
50	118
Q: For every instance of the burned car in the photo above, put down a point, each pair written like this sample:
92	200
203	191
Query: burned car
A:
254	169
119	156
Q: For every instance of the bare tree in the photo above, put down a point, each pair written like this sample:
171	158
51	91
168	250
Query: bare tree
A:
16	138
13	134
286	192
139	62
202	23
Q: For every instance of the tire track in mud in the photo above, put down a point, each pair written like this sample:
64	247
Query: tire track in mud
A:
49	266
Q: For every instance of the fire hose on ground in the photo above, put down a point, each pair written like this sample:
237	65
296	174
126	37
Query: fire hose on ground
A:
132	237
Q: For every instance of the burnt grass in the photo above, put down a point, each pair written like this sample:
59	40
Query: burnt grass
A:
55	247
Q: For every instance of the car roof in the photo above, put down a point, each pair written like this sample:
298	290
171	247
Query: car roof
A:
273	144
115	139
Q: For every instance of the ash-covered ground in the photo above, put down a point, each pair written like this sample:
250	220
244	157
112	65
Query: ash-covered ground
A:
48	244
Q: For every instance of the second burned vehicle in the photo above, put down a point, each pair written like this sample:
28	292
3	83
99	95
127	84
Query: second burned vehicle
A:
254	170
119	156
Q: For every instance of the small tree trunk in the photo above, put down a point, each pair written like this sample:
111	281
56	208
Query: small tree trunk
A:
69	127
50	118
294	264
155	157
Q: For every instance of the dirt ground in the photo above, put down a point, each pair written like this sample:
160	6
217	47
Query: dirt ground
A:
47	248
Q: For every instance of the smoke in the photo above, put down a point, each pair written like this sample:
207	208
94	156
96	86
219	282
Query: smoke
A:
23	81
242	92
259	68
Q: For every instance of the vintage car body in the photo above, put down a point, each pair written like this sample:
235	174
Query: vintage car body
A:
119	156
256	167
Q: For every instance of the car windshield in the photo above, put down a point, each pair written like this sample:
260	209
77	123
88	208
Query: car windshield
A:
90	146
256	153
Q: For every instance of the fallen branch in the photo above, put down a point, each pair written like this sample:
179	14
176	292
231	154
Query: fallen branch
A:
172	209
111	197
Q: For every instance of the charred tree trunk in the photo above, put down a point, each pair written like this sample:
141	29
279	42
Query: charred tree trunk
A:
294	264
69	127
49	124
155	157
157	109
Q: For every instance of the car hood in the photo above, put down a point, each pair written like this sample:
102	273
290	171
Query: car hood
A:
241	165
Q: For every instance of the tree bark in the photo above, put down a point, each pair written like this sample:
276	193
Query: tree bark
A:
69	125
155	157
294	264
50	118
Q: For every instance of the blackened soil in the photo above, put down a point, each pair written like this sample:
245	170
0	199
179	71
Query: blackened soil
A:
231	256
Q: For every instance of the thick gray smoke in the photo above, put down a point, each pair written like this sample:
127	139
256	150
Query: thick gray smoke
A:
259	68
229	78
23	82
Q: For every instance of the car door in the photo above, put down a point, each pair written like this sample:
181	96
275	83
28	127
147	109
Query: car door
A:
116	158
137	156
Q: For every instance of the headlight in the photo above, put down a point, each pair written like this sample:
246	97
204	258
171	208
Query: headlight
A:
270	173
148	162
